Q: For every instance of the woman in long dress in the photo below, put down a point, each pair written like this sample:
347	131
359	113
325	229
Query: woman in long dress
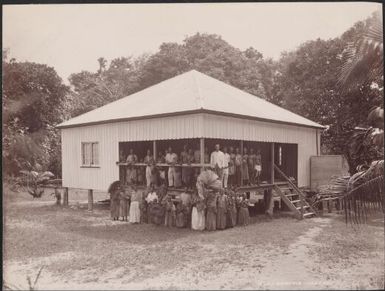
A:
186	207
143	209
114	191
221	211
243	214
170	213
134	206
198	213
180	220
157	213
231	210
211	216
124	202
152	197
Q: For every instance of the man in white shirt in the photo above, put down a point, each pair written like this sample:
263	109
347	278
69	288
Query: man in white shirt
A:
226	167
217	161
171	159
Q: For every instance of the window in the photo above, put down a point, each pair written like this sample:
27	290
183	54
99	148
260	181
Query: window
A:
90	154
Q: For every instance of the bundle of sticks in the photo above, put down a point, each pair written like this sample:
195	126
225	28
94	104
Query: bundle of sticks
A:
337	186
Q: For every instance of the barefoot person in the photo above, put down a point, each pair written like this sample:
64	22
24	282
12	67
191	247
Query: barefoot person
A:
198	221
258	166
124	200
114	191
134	206
221	210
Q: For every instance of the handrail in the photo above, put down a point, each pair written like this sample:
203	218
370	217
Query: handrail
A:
192	165
294	187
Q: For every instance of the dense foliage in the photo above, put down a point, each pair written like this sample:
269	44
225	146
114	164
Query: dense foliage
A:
304	81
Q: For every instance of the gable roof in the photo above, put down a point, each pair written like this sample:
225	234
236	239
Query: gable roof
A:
187	93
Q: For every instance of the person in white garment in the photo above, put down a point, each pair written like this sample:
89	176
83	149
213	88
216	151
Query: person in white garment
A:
171	160
226	167
217	161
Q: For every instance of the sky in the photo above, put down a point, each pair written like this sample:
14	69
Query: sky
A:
71	37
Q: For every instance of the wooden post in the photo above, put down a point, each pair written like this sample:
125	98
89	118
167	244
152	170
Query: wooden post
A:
90	200
154	151
65	198
272	163
241	148
202	151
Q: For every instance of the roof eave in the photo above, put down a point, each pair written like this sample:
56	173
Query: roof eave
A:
201	110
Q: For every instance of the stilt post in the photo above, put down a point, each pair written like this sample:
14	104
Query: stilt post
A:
241	148
154	150
202	152
90	200
65	198
272	163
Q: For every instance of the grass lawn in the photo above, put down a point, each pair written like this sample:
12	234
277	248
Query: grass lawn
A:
86	250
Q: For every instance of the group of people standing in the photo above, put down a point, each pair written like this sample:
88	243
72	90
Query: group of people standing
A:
232	167
215	209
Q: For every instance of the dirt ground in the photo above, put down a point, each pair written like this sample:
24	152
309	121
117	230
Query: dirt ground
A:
86	250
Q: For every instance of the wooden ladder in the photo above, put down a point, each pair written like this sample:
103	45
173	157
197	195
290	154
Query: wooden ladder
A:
293	197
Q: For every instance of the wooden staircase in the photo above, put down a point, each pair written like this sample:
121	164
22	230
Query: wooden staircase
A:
293	197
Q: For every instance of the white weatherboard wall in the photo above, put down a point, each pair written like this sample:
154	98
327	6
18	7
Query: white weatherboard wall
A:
174	127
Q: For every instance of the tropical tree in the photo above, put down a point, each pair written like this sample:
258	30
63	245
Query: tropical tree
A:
363	63
33	95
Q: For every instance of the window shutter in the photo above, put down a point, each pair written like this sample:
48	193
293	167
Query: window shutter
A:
87	153
95	154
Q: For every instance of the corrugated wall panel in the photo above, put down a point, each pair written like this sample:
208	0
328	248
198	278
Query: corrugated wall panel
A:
175	127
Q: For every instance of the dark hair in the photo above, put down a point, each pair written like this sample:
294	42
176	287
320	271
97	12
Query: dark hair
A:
114	186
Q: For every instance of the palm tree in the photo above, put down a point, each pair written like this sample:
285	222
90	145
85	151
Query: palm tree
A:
364	57
363	63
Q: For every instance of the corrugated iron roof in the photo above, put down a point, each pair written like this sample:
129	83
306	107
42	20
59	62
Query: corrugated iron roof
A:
186	93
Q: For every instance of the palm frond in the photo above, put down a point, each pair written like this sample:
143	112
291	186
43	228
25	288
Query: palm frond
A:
363	57
364	200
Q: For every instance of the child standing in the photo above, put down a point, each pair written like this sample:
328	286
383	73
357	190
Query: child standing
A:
170	212
243	214
211	216
221	211
123	203
134	206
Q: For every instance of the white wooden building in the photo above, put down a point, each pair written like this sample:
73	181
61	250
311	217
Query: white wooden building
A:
189	106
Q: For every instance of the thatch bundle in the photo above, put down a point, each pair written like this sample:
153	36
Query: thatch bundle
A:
365	193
